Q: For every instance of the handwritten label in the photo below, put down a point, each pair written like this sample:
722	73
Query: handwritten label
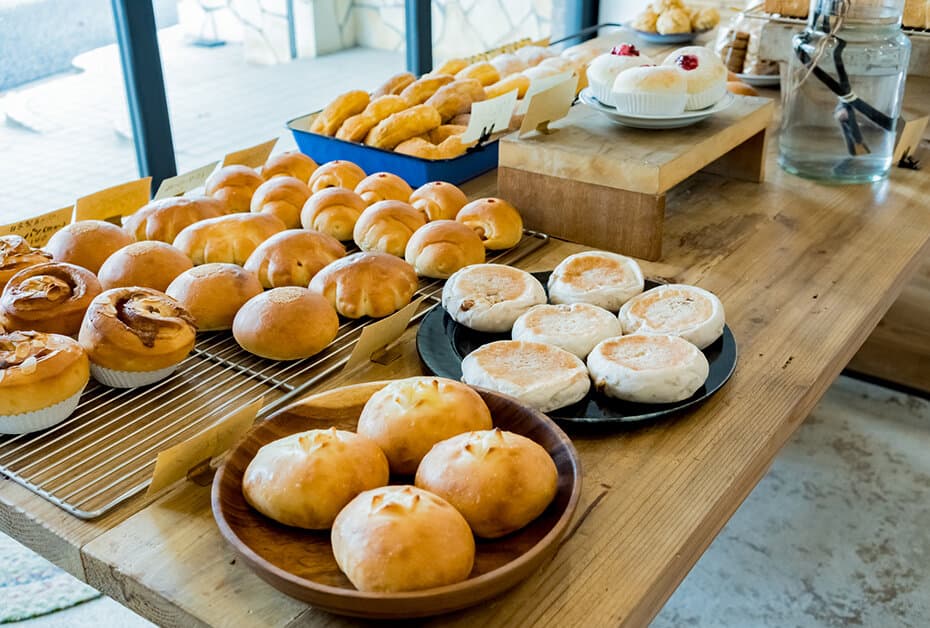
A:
909	138
378	335
173	463
114	202
549	105
177	186
491	115
37	230
253	157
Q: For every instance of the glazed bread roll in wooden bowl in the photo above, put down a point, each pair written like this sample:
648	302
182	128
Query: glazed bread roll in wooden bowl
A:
366	284
282	197
164	219
87	243
383	186
16	254
497	222
442	247
50	297
234	185
401	538
438	200
386	227
336	174
230	239
499	481
289	164
287	323
135	336
213	293
150	264
333	211
305	479
293	257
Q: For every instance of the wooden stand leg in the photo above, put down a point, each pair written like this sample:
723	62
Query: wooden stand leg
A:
745	162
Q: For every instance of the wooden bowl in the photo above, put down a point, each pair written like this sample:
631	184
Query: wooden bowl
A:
300	562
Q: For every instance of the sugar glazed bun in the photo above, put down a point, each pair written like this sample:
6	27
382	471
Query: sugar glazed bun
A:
442	247
283	197
150	264
213	293
289	164
293	257
305	479
403	125
16	254
366	284
438	200
575	327
234	185
401	538
408	416
490	297
333	211
355	129
230	239
496	222
383	186
86	243
164	219
601	278
678	310
499	481
50	297
338	111
287	323
336	174
386	227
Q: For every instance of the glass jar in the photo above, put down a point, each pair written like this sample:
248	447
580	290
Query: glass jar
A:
843	93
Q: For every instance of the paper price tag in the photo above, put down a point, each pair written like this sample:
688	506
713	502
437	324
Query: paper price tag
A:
909	138
253	157
549	105
378	335
491	115
114	202
37	230
177	186
541	85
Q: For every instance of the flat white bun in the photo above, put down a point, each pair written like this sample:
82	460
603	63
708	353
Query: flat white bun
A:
575	327
490	297
540	375
647	369
675	309
600	278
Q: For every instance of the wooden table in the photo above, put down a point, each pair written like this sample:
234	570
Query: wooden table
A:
805	272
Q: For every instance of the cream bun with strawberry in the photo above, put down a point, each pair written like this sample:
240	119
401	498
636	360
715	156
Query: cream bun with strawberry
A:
705	73
603	70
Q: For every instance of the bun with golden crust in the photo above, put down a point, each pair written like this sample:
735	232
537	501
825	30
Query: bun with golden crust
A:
394	85
402	126
229	239
338	111
366	284
293	257
442	247
357	127
213	293
486	73
383	186
234	185
164	219
87	243
290	164
333	211
438	200
16	254
149	264
287	323
420	90
282	197
456	97
336	174
50	297
497	222
386	226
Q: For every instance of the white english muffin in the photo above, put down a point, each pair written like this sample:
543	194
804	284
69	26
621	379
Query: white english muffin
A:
540	375
677	310
490	297
651	91
647	369
604	279
575	327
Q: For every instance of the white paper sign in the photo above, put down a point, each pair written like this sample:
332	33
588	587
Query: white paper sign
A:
540	85
549	105
491	115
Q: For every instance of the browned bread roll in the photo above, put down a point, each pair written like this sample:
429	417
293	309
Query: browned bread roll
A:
383	186
486	73
496	222
507	64
456	97
402	126
394	85
234	185
451	67
444	131
282	197
150	264
87	243
289	164
333	211
289	323
213	293
357	127
164	219
517	82
450	148
293	257
461	120
50	297
229	239
16	254
338	111
386	226
336	174
442	247
420	90
533	55
366	284
438	200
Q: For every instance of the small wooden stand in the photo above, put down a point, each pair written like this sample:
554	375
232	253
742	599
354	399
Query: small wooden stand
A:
602	185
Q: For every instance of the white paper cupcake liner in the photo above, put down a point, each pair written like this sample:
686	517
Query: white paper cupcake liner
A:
706	98
601	91
650	104
129	379
40	419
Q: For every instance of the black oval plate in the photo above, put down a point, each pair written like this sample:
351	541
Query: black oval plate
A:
442	343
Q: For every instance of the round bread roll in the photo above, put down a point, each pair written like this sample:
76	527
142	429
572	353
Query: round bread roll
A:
499	481
677	310
532	55
386	227
508	63
305	479
16	254
542	376
438	200
135	336
647	369
164	219
234	185
283	197
383	186
575	327
150	264
336	174
50	297
408	416
289	164
600	278
213	293
401	538
41	380
490	297
496	222
442	247
293	257
230	239
333	211
738	87
366	284
87	243
289	323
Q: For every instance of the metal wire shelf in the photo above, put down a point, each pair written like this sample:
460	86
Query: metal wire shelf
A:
105	452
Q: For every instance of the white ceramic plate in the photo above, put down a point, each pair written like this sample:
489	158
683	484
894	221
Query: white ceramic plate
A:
760	80
654	122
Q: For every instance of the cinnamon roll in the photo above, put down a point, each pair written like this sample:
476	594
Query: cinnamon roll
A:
135	336
15	255
50	297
